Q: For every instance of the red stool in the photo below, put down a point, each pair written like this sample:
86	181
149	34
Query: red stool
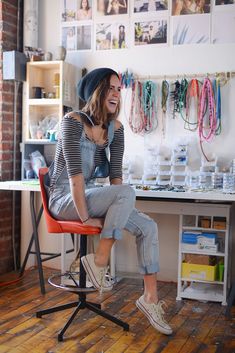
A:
76	227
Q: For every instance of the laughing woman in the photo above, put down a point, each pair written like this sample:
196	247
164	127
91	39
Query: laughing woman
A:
81	156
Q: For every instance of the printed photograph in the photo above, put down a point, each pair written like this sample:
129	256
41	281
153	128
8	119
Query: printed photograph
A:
119	35
69	38
84	37
84	11
190	7
152	32
103	36
111	7
150	5
191	30
224	2
223	27
69	10
76	10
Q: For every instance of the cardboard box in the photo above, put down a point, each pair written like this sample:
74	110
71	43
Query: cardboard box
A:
199	272
199	259
219	225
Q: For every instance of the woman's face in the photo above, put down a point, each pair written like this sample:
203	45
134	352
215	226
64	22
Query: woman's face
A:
84	4
113	96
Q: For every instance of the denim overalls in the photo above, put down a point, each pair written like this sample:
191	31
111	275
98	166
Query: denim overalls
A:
114	203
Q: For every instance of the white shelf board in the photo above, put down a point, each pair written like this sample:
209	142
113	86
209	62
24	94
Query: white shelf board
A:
44	101
203	291
200	281
203	229
208	297
211	253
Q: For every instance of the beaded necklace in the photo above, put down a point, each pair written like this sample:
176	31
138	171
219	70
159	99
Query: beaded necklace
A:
217	96
206	124
165	95
136	118
182	96
149	106
192	105
175	98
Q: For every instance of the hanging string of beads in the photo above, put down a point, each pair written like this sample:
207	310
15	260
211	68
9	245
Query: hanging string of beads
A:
149	102
136	118
143	114
175	93
165	95
192	105
217	97
182	97
207	114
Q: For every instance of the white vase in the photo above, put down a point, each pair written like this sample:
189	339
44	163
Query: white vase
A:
31	23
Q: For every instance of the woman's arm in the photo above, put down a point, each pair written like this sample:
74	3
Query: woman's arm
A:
77	187
116	154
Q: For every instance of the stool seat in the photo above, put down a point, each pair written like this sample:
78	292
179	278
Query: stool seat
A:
76	227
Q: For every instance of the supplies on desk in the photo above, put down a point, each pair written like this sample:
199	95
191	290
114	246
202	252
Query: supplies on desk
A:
200	241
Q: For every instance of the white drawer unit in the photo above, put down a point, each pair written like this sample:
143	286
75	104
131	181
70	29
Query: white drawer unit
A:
203	258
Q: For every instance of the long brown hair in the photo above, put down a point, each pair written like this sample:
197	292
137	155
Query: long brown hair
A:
95	106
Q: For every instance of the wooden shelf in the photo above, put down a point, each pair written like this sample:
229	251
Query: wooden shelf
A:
44	101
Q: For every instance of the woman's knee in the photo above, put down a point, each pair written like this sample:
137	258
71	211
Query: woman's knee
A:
128	193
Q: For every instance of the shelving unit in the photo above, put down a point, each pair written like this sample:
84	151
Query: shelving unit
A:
204	282
49	90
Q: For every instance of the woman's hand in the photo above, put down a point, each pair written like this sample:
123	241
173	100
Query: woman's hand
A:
95	222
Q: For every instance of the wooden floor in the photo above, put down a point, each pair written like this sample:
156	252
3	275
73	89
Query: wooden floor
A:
198	327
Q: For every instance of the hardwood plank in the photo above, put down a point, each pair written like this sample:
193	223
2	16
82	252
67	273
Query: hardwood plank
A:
198	327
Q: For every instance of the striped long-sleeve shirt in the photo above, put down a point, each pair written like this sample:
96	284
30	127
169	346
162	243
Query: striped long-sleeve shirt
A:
68	150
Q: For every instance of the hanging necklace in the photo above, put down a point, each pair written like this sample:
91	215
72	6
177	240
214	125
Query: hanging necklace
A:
149	106
206	124
136	118
192	105
217	96
165	94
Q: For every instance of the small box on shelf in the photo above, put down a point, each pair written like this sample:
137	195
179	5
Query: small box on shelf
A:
199	271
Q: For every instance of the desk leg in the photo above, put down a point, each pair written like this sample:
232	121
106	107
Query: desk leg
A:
34	238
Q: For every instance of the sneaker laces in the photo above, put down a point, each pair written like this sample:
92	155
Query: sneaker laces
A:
105	279
158	309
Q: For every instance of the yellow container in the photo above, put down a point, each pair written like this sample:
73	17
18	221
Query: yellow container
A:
199	272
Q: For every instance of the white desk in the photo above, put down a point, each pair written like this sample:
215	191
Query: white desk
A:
162	202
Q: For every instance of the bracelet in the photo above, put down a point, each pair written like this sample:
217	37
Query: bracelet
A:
85	220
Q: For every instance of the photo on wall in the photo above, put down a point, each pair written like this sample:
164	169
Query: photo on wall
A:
151	32
190	7
223	27
191	30
111	7
84	11
150	5
76	10
224	2
119	35
84	37
103	36
69	40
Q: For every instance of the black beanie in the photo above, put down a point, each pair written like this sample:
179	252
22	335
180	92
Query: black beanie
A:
89	82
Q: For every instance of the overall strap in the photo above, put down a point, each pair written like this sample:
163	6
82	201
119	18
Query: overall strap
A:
110	138
81	112
110	132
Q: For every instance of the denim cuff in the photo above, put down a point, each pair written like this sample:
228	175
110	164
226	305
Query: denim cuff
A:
149	269
115	233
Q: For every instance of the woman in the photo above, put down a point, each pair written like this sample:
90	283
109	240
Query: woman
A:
81	151
85	12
